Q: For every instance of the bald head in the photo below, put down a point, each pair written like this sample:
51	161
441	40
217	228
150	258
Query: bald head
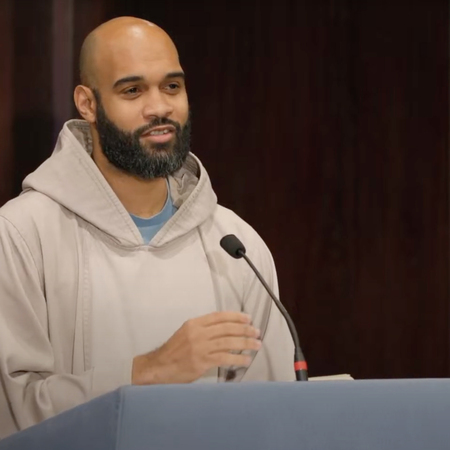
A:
114	37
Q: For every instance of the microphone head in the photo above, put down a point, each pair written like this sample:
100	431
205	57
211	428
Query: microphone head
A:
233	246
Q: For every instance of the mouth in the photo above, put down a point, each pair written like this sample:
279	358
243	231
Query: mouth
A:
160	134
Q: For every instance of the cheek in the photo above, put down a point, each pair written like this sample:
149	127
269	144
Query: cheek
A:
183	109
125	115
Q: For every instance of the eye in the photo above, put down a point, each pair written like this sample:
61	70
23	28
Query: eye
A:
173	86
131	91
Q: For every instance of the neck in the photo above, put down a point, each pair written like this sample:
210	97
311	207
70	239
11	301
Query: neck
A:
143	198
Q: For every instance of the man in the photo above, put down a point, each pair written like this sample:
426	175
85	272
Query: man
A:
111	268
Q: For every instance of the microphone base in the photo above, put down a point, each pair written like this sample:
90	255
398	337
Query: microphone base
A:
301	375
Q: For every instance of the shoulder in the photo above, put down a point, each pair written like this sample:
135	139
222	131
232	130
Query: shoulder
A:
34	220
225	221
28	205
29	211
230	220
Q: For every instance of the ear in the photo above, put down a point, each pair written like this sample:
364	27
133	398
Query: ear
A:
86	103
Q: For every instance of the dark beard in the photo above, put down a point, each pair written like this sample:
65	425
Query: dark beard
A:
124	150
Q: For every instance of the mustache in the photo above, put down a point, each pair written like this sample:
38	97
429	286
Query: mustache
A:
157	122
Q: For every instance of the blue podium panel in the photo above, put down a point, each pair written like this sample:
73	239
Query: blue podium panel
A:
352	415
93	425
329	415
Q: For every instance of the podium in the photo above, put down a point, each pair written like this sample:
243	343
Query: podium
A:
322	415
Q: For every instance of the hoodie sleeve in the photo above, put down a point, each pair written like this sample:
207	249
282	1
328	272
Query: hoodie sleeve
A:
31	389
275	360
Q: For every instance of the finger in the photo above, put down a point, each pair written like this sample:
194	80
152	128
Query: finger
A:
233	344
224	316
230	359
232	329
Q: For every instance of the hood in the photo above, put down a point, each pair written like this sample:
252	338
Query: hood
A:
72	179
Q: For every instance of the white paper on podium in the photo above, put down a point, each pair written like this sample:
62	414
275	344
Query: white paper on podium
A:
343	377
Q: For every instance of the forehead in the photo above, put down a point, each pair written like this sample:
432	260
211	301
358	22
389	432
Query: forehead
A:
151	58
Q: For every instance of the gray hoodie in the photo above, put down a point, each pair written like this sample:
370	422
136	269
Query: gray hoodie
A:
81	294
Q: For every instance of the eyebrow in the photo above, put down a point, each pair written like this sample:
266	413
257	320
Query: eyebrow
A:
130	79
136	78
175	75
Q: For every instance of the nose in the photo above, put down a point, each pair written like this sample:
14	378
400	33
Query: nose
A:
157	105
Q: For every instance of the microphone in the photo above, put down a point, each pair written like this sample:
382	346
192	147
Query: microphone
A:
234	247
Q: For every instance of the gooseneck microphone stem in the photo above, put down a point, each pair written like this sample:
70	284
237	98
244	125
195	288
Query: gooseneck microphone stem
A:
301	370
234	247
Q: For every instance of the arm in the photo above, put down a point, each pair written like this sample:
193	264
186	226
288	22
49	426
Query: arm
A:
32	388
